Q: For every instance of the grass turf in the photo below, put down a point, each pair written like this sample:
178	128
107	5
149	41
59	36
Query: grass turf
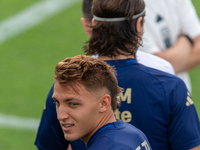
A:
27	64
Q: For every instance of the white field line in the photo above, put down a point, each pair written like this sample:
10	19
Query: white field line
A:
8	121
20	23
31	17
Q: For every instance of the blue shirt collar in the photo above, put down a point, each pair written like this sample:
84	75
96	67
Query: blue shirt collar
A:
97	133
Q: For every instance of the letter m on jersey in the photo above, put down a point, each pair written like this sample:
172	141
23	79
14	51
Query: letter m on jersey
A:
126	96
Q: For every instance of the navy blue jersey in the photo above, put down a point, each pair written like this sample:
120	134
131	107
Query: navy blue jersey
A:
157	103
117	136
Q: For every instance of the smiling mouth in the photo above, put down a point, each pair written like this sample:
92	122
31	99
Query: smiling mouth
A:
67	127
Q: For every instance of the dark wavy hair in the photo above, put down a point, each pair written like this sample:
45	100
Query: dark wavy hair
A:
86	9
115	38
93	73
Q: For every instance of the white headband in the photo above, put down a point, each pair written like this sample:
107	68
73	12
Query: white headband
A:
117	19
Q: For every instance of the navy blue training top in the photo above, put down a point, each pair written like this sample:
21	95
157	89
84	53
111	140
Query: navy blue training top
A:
117	136
155	102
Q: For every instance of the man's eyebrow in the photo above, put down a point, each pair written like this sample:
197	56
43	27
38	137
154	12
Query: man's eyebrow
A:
66	100
70	99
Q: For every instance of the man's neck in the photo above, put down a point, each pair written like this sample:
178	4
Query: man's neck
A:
109	118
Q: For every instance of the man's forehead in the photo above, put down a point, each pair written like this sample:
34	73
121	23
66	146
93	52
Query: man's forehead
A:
63	91
73	88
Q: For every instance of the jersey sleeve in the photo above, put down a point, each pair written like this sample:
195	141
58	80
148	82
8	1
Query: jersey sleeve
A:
184	126
188	18
50	135
135	140
109	144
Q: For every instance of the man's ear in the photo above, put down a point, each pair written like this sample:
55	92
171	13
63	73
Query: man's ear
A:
105	102
86	26
93	21
139	25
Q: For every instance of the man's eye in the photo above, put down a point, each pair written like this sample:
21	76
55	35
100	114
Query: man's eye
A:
73	104
56	102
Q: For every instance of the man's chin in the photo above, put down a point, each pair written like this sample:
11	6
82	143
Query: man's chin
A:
70	138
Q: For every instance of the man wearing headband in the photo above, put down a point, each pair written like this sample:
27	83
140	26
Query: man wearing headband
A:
118	19
151	61
157	103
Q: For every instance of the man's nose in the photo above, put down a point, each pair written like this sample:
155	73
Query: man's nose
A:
62	113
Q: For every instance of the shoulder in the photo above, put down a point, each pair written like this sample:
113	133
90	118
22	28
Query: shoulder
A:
142	75
153	73
124	135
160	81
130	131
122	130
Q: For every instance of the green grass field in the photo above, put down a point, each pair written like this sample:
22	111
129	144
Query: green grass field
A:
27	64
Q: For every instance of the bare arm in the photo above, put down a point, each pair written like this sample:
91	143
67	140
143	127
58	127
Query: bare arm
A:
178	54
194	59
195	148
